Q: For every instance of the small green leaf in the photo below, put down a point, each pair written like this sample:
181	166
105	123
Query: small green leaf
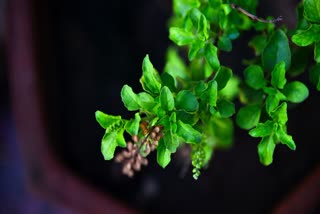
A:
194	49
317	52
147	102
185	100
258	43
129	98
132	126
181	36
224	43
212	93
166	99
277	50
171	141
231	90
107	121
175	65
163	154
168	80
211	56
272	102
226	108
150	80
188	133
280	115
200	88
248	116
315	75
262	129
120	138
285	138
223	76
296	92
265	150
253	76
278	75
186	117
312	10
308	36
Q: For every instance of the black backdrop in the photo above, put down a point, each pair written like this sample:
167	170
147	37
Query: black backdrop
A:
94	48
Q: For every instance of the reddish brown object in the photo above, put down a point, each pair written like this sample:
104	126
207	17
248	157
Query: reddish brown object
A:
305	197
46	176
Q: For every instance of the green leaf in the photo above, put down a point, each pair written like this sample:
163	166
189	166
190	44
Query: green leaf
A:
200	88
272	102
315	75
186	117
215	3
296	92
265	150
280	115
163	154
129	98
180	36
188	133
231	90
212	93
168	80
317	52
166	99
146	102
211	56
277	50
248	116
185	100
120	138
194	49
253	76
107	121
312	10
285	138
262	129
278	75
224	43
171	141
258	43
308	36
223	76
132	126
175	65
226	108
109	144
150	80
219	132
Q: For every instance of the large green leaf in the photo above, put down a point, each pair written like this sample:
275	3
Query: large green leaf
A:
308	36
265	150
107	121
226	108
166	99
188	133
296	92
248	116
276	50
150	80
163	154
185	100
253	76
181	7
129	98
312	10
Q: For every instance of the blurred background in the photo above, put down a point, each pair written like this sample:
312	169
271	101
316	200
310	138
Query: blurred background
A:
60	61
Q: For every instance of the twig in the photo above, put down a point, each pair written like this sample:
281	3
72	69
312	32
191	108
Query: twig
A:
254	17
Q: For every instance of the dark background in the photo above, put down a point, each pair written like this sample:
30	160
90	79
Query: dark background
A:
87	50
